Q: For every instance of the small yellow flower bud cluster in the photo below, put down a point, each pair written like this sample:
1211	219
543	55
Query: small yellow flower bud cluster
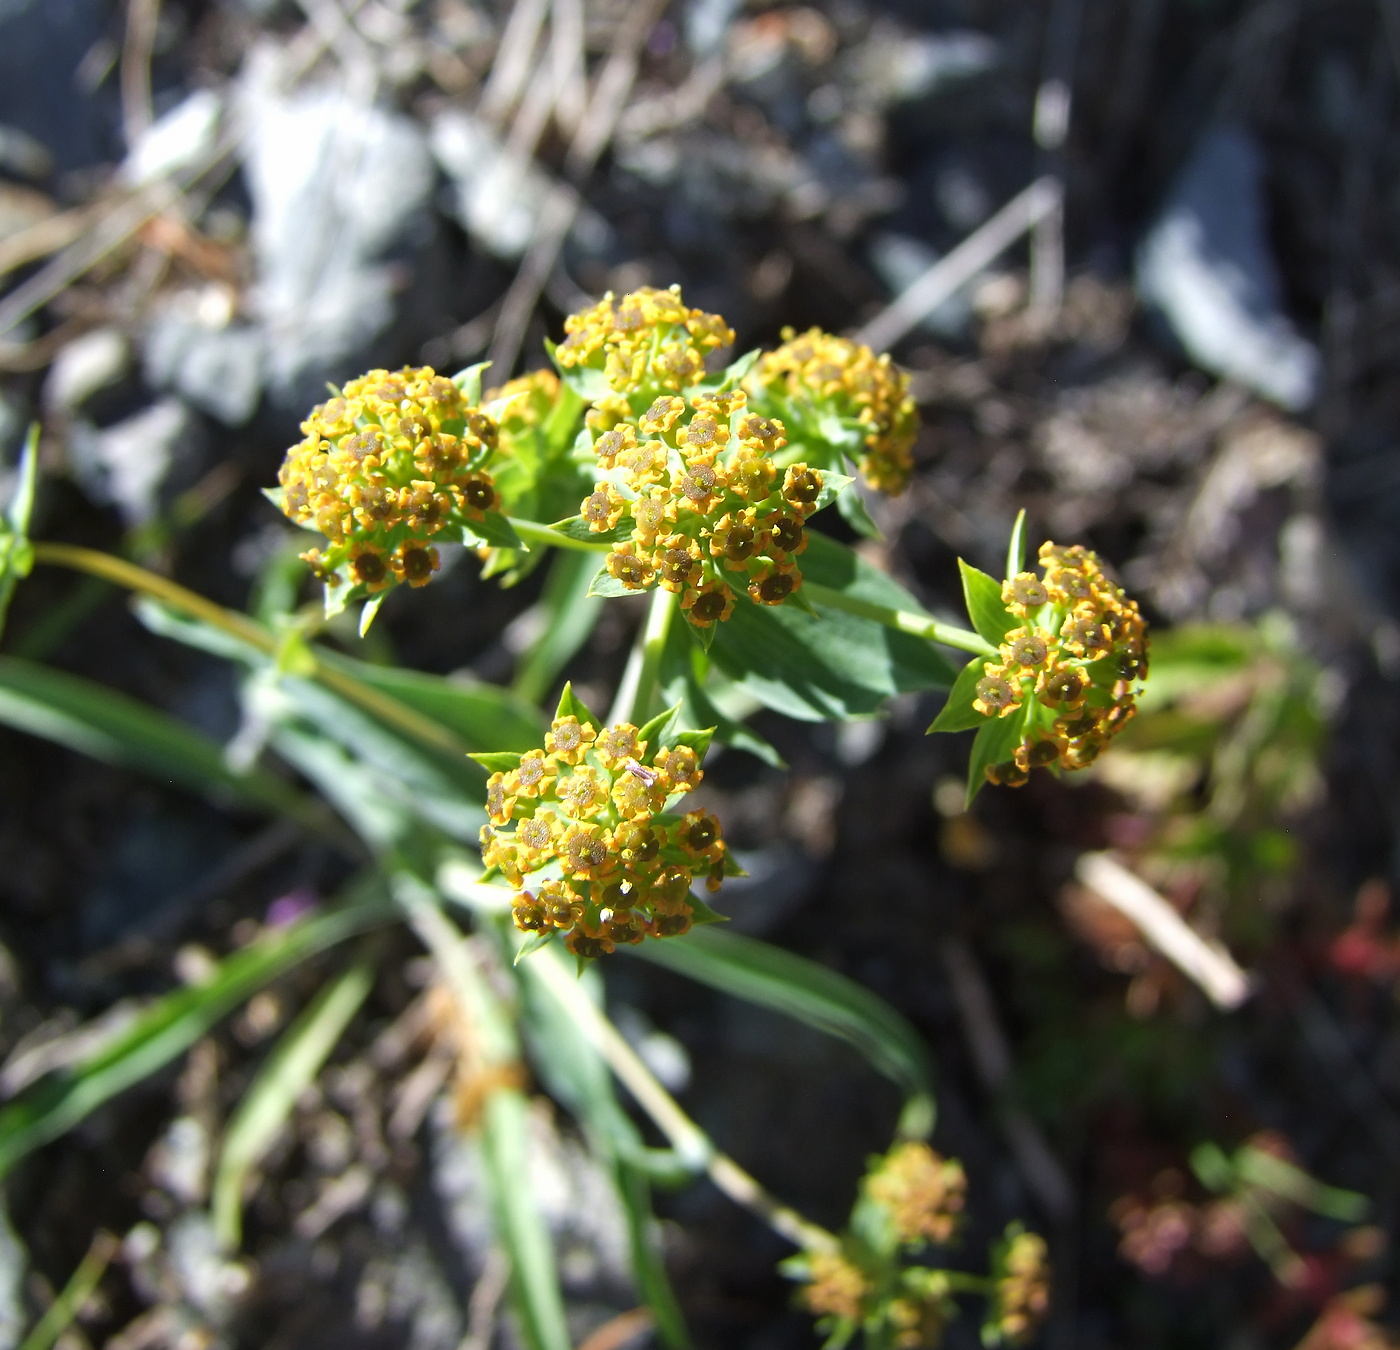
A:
836	1287
649	342
384	467
709	512
530	398
923	1192
1021	1291
590	845
1077	660
818	374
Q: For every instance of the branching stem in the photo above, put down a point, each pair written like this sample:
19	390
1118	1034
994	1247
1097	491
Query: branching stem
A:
902	620
685	1136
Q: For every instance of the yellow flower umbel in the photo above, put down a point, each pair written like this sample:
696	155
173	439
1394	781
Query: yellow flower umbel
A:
1070	670
819	383
649	342
1020	1289
706	512
391	463
584	828
923	1193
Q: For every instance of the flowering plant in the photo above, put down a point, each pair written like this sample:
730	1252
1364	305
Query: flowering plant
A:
635	466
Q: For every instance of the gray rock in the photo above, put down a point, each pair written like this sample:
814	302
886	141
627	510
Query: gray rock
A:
1205	267
218	368
125	464
336	183
86	366
176	141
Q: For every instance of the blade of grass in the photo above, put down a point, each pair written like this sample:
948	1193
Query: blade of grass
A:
821	998
64	1310
289	1069
97	721
167	1028
567	615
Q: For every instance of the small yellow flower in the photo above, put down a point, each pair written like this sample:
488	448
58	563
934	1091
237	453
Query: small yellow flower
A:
708	604
923	1192
568	739
603	508
774	584
626	566
835	1287
996	695
801	488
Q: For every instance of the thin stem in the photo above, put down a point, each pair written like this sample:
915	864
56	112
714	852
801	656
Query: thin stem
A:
532	532
637	691
685	1136
138	579
903	620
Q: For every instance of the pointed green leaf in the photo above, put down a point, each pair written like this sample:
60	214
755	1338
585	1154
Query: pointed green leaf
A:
989	615
497	761
699	741
369	611
821	998
995	744
832	666
1016	549
607	586
532	943
469	381
97	721
571	706
833	485
575	527
957	713
21	506
170	1025
851	505
493	530
287	1072
654	732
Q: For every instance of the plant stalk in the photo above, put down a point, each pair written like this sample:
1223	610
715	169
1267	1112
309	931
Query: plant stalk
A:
144	582
902	620
637	692
685	1136
532	532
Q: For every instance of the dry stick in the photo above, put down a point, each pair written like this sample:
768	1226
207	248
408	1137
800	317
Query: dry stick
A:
486	1298
514	60
142	17
1205	963
567	67
562	205
987	243
991	1057
686	1137
1050	126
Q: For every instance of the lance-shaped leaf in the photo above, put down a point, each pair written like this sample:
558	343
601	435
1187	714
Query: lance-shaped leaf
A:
821	998
16	553
169	1026
828	666
985	608
958	714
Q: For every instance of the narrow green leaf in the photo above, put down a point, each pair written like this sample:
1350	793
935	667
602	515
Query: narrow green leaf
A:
571	706
370	610
524	1235
852	508
995	744
831	666
568	615
1016	549
493	530
654	733
833	486
99	722
21	506
561	426
699	741
532	943
1281	1177
288	1071
958	714
821	998
989	615
68	1306
497	761
589	384
169	1026
608	587
469	381
575	527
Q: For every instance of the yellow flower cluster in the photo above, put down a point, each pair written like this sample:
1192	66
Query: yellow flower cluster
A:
530	399
708	510
836	1286
923	1192
648	342
385	466
1021	1288
819	375
1073	665
580	828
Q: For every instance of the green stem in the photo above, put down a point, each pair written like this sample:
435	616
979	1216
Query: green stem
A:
637	692
902	620
684	1135
66	1308
138	579
532	532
